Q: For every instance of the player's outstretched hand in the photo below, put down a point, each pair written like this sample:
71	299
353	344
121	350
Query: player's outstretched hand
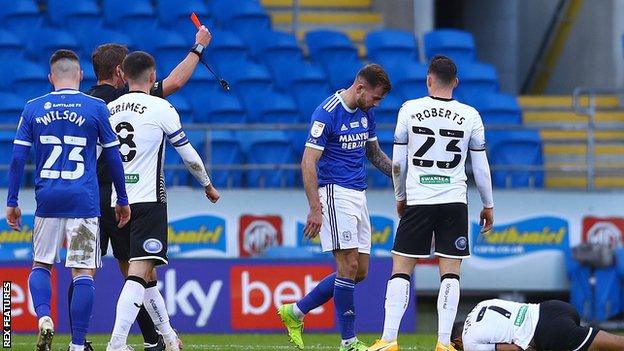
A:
401	207
14	217
203	36
122	215
212	193
487	219
313	224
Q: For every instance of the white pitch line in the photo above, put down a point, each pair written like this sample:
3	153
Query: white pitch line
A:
218	347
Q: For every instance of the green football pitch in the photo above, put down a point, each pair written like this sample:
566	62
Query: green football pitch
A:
266	342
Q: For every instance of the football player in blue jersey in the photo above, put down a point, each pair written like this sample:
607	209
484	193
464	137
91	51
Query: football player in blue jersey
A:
64	127
342	137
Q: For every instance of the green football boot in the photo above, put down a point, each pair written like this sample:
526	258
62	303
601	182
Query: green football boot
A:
293	325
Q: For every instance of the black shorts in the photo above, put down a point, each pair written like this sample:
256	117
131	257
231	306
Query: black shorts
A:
559	328
147	232
108	227
416	229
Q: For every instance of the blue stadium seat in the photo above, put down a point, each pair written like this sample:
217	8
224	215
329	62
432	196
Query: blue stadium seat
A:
224	151
390	47
217	106
281	53
388	108
11	107
27	79
515	148
409	80
20	16
309	87
168	47
226	47
376	179
329	47
247	79
476	78
341	73
89	42
201	82
268	148
183	107
129	16
177	176
457	44
11	47
499	108
83	15
243	16
275	107
6	152
88	76
176	14
45	41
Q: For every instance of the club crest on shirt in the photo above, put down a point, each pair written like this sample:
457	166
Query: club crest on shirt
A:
364	122
317	129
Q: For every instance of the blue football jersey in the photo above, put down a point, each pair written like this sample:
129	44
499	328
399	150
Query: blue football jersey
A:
341	133
64	128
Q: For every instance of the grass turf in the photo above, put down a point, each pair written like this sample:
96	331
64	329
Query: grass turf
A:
221	342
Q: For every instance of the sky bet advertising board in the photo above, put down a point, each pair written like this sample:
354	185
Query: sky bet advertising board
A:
382	236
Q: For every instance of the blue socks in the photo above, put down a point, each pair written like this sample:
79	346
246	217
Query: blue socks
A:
40	285
81	307
345	309
319	295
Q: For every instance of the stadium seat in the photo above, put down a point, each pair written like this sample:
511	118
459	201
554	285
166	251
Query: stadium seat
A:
225	151
499	108
247	79
390	47
201	82
175	174
388	109
176	14
167	47
45	41
89	42
11	47
226	47
129	16
376	179
88	76
27	79
83	15
456	44
341	73
242	16
6	152
515	148
11	107
281	53
409	80
275	107
217	106
20	16
268	148
476	78
183	107
308	85
329	47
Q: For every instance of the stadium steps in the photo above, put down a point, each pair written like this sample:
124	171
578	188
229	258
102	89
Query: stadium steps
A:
565	150
353	17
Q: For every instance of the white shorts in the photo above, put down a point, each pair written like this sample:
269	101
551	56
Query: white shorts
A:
346	223
83	241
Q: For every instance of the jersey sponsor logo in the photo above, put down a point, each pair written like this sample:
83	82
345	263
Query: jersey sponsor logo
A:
521	237
152	246
461	243
521	315
364	122
317	129
258	290
132	178
197	236
258	233
604	230
434	179
353	141
47	105
354	124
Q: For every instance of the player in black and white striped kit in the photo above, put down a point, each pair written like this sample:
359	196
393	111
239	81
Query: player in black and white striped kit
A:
142	123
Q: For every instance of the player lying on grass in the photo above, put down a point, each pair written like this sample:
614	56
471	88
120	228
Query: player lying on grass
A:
551	325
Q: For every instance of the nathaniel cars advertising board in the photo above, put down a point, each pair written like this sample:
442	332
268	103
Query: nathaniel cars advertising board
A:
216	295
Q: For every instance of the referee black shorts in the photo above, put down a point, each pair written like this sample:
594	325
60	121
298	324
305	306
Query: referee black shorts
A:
448	223
559	328
108	227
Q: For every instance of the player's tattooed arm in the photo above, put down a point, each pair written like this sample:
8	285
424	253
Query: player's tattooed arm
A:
378	158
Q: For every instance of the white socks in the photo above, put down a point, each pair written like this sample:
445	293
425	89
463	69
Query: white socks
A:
298	313
397	298
448	299
128	305
155	306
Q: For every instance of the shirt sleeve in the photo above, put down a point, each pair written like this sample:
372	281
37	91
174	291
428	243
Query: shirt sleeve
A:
477	138
106	136
157	89
401	130
170	124
372	125
24	135
320	129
